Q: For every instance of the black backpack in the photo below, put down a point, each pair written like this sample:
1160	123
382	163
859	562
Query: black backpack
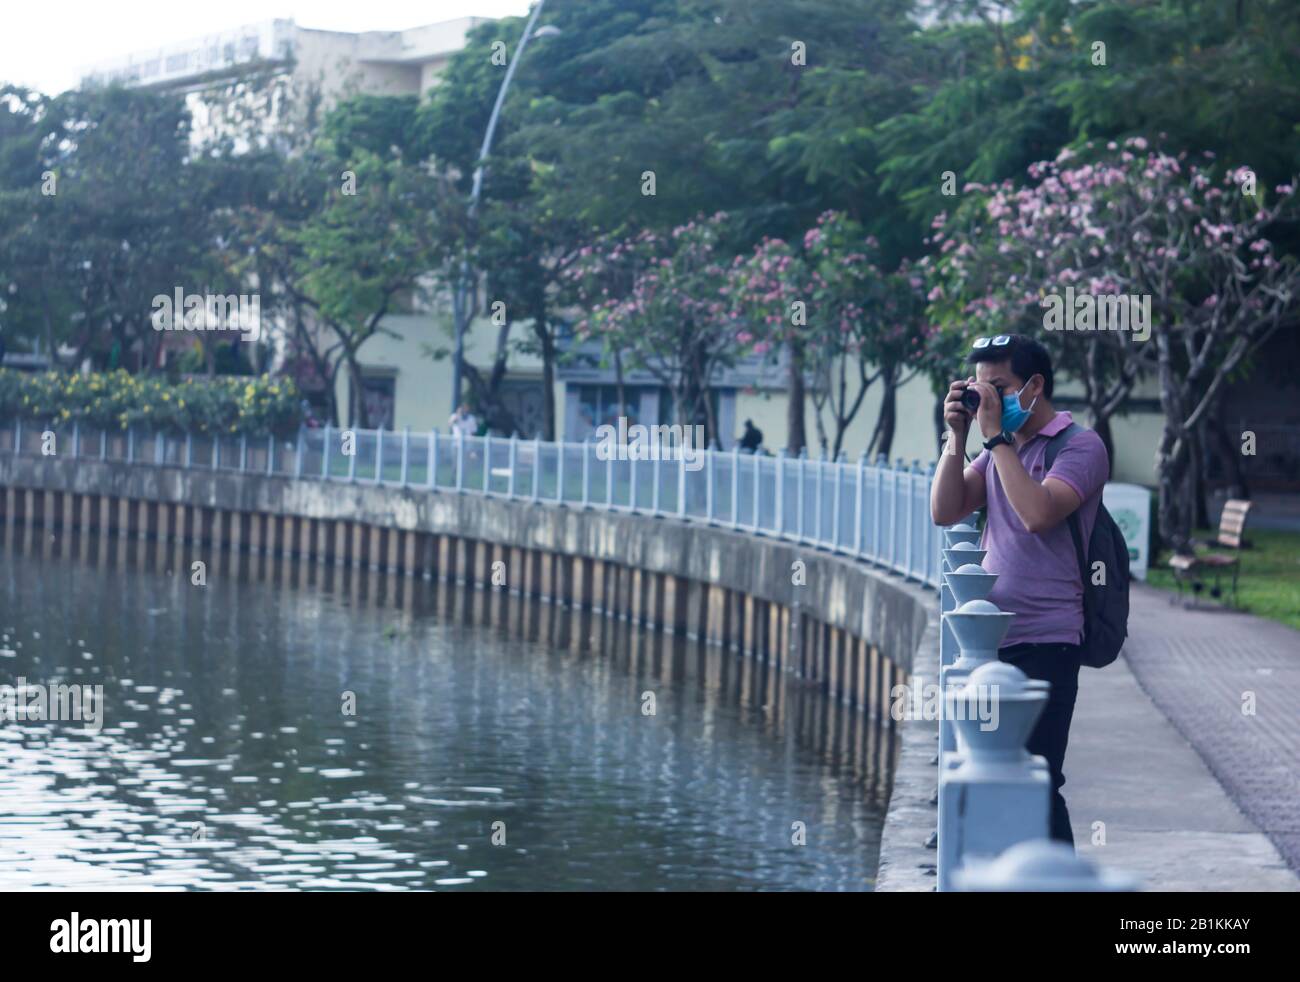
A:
1105	606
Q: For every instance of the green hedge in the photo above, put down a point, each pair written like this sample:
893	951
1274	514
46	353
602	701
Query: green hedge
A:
256	404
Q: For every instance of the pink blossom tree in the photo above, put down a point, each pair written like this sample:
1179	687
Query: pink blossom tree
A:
660	303
1125	221
842	323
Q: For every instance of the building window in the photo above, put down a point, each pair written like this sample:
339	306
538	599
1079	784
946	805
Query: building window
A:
598	405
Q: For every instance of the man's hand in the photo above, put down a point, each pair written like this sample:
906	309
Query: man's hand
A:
954	414
989	416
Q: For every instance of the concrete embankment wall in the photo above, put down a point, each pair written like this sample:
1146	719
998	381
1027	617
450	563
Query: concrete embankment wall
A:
831	621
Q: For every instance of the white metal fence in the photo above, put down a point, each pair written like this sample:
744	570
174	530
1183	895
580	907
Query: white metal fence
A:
877	512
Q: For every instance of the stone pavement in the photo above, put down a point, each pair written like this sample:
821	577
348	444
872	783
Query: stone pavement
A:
1193	793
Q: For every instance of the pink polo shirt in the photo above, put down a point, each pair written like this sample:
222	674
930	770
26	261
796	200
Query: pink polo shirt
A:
1038	574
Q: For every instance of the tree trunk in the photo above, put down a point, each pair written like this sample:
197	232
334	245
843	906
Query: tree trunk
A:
794	410
549	428
1174	516
1197	479
1174	513
1229	456
357	395
1101	426
888	418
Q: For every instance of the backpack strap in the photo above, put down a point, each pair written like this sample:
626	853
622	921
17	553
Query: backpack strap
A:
1056	442
1054	445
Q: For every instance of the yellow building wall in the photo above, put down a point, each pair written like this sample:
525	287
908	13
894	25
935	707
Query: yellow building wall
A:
423	384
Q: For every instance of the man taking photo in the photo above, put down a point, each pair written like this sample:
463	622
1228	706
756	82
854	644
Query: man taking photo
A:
1026	533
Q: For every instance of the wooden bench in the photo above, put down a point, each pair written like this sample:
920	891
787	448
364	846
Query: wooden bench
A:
1232	523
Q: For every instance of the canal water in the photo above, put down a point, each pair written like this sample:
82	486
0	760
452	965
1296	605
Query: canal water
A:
290	726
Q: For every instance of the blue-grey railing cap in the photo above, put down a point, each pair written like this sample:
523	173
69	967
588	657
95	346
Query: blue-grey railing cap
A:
1041	865
969	582
978	607
1011	682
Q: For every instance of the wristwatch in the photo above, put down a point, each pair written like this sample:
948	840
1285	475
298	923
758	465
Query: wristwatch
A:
997	441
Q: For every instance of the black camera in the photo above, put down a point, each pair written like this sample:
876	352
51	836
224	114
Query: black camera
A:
970	400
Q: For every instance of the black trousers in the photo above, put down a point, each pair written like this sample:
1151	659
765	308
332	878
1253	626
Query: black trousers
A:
1058	664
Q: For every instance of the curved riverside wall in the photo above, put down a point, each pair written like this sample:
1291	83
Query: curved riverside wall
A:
836	622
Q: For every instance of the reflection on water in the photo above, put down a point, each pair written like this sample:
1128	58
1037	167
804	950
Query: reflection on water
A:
226	760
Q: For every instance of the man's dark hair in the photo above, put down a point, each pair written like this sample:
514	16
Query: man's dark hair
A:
1027	356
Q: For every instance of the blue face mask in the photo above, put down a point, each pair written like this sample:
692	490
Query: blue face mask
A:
1013	415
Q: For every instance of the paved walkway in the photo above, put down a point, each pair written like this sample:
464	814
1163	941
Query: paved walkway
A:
1193	793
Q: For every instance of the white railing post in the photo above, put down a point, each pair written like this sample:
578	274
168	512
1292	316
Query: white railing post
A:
709	478
325	453
379	455
820	494
352	457
860	478
559	471
189	450
406	453
243	452
911	518
609	480
758	476
798	501
631	476
513	463
893	514
537	466
681	481
460	460
76	439
655	471
270	453
780	492
130	445
487	463
838	471
992	793
432	476
735	486
586	471
877	530
299	451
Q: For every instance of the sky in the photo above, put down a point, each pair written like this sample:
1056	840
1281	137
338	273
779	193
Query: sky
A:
46	46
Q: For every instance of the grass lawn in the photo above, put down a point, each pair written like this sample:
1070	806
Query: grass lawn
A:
1269	581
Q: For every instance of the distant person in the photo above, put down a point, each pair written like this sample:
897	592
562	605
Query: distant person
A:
751	439
463	422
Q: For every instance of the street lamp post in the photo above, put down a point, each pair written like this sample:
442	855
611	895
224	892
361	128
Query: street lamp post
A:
460	295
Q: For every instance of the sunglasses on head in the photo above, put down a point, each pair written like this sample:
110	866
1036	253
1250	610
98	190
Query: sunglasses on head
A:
997	342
